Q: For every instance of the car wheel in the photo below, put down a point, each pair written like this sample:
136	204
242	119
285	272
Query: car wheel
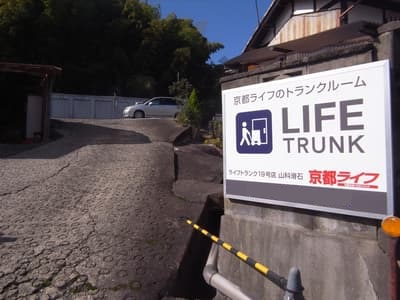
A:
138	114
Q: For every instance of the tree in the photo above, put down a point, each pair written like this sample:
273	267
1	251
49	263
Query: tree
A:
107	46
180	88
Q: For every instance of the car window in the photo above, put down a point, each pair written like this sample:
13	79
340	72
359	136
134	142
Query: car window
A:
155	102
162	101
167	101
170	102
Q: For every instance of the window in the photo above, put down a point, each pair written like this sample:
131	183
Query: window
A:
170	102
155	102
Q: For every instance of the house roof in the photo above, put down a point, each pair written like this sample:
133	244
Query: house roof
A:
274	10
310	43
278	6
31	69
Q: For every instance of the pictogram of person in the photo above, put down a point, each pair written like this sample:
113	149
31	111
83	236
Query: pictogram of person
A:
246	136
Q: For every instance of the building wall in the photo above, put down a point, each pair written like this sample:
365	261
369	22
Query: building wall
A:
34	108
321	3
307	24
303	7
358	13
340	257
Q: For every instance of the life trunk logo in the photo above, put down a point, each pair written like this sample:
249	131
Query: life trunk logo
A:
254	132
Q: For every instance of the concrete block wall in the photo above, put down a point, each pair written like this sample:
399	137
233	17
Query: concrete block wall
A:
340	257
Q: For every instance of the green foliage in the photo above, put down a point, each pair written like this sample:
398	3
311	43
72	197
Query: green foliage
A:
180	88
142	85
214	141
191	113
214	134
105	46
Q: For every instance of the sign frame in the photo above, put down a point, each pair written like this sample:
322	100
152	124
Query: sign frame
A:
305	196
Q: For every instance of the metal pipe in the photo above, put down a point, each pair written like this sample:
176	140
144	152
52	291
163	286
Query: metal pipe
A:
294	288
216	280
349	9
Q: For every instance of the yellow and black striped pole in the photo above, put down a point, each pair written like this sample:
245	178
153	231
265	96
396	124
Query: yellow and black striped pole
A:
269	274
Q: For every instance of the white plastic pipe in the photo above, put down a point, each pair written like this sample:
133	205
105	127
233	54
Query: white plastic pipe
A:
216	280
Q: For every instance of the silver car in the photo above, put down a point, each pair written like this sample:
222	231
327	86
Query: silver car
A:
155	107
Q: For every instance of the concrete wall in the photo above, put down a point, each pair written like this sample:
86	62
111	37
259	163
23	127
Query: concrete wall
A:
89	106
340	257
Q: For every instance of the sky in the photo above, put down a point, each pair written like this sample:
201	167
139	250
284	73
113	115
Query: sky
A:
229	22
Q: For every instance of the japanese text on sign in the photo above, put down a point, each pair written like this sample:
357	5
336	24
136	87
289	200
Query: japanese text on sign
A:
296	91
344	178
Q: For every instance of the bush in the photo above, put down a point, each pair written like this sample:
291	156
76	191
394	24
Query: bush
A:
214	141
191	113
215	127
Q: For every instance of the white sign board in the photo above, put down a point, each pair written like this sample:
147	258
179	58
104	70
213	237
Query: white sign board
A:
320	141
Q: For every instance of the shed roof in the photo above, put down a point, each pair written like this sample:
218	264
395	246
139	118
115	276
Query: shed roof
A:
31	69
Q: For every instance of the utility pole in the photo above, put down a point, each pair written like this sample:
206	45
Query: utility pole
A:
258	15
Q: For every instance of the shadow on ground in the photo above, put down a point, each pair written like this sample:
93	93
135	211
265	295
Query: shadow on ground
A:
189	283
69	137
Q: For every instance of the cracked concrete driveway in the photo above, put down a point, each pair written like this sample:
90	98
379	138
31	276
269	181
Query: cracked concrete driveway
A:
91	215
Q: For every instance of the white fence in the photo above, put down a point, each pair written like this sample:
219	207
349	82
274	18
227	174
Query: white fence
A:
89	106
